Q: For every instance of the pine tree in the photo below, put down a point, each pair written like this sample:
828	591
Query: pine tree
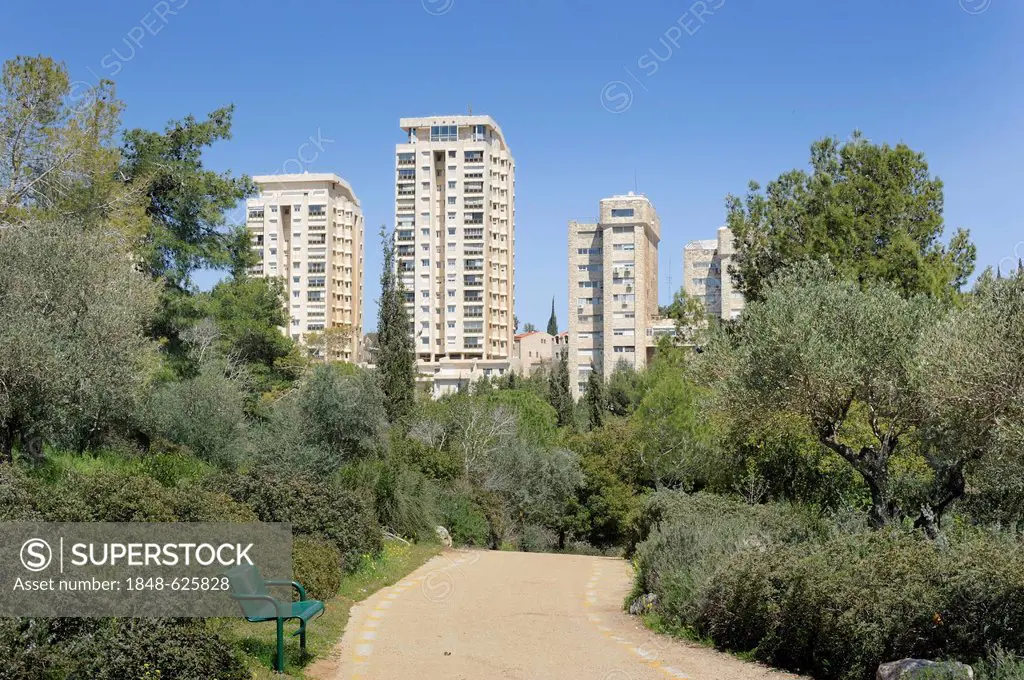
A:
396	364
595	400
553	321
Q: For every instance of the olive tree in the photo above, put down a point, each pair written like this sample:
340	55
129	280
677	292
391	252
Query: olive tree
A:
972	392
73	353
949	379
824	348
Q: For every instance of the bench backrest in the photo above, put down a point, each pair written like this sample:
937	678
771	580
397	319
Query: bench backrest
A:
246	580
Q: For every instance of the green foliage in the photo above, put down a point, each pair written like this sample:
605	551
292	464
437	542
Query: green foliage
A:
819	346
535	418
595	401
404	499
465	521
560	393
60	154
73	357
342	410
606	498
187	203
205	413
396	364
316	564
109	649
873	211
553	321
807	607
674	435
314	508
686	539
625	389
249	314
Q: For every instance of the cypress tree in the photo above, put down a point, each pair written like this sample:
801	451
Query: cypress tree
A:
553	321
396	362
559	393
595	400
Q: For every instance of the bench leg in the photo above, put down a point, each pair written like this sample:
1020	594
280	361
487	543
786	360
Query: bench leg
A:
302	637
280	646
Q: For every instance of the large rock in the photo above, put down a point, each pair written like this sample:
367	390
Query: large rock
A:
643	604
916	669
446	538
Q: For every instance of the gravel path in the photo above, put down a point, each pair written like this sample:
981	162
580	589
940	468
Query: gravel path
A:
478	615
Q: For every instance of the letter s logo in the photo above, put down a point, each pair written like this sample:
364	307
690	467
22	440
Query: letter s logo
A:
36	554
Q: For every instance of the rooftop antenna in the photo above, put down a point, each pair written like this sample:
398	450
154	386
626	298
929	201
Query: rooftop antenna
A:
470	108
636	189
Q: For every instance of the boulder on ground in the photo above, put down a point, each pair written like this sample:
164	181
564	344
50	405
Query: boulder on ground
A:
446	538
917	669
643	604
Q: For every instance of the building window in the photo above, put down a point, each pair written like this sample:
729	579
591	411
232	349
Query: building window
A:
624	246
588	251
317	210
444	133
451	185
622	212
622	230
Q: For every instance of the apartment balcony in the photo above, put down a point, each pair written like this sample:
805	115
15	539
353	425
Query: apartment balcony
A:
475	281
473	234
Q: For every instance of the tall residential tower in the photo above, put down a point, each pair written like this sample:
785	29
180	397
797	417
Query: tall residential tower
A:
455	239
613	288
307	230
706	275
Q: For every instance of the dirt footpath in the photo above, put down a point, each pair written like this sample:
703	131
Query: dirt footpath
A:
478	615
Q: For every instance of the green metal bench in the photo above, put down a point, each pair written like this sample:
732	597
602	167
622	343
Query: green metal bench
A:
250	590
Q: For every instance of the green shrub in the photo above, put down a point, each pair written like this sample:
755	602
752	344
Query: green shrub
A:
316	564
193	504
464	520
312	507
206	414
404	500
840	608
689	537
109	649
1000	665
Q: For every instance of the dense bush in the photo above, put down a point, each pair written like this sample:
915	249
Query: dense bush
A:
688	538
109	649
404	499
316	564
834	604
205	413
464	519
312	507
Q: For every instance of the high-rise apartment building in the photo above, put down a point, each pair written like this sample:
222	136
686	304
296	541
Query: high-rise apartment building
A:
706	275
307	230
455	239
613	288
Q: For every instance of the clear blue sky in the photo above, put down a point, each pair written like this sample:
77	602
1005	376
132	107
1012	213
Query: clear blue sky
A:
738	96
